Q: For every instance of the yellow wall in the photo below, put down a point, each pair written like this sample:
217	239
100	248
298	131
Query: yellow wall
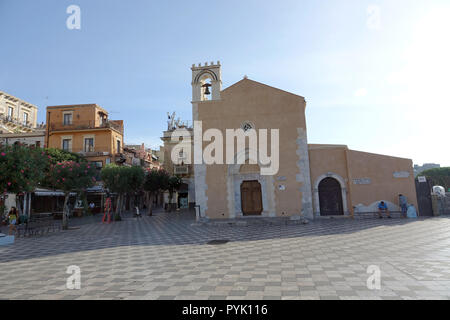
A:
384	185
82	114
86	124
266	108
351	165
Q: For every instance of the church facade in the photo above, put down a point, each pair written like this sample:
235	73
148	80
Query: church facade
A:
311	180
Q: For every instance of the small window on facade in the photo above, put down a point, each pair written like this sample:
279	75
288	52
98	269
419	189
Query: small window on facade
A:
66	145
89	145
25	118
10	112
118	146
67	119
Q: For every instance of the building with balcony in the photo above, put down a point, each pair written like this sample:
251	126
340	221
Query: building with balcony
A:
17	115
177	159
85	129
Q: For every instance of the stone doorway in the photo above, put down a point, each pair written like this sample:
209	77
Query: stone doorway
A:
251	198
330	198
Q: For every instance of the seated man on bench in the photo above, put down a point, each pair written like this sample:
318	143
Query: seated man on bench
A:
382	207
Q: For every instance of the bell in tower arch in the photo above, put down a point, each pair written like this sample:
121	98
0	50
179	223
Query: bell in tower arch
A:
207	86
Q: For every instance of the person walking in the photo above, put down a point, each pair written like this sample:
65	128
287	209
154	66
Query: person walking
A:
403	202
137	214
13	219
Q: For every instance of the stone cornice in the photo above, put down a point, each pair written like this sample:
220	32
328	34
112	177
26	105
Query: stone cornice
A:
9	97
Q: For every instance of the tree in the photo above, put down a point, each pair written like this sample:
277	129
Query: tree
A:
71	176
22	169
54	157
134	179
156	181
173	185
58	155
439	176
120	180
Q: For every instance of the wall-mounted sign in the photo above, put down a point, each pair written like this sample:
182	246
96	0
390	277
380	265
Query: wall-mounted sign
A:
422	179
281	187
401	174
362	181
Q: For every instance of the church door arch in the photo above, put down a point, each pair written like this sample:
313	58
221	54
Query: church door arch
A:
330	197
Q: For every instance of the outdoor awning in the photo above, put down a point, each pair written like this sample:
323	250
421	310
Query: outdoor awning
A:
96	189
40	192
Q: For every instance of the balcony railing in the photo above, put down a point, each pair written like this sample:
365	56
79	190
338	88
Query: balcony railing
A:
83	125
9	120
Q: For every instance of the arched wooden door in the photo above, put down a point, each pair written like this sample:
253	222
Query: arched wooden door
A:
330	198
251	198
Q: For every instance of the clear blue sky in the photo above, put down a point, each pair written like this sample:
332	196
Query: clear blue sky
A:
375	78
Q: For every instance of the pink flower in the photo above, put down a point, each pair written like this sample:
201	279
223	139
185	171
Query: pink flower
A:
3	154
9	183
63	179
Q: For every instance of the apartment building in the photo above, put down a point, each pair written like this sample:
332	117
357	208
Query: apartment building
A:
85	129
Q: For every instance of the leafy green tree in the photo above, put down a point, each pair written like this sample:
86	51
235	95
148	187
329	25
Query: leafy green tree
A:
173	185
71	176
156	181
439	176
22	168
135	178
58	155
122	180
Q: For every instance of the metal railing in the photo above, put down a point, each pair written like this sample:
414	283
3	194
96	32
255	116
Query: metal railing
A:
82	125
14	121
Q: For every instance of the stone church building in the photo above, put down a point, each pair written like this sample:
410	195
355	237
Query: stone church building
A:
313	180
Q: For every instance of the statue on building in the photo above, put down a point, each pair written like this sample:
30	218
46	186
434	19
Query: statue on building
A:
171	121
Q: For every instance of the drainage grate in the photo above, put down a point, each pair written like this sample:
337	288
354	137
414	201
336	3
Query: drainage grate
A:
217	242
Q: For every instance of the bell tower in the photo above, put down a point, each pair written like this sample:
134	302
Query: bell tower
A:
206	82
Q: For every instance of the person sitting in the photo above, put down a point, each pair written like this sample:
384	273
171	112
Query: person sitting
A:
382	207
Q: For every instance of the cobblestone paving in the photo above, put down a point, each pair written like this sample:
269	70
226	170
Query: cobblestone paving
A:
166	257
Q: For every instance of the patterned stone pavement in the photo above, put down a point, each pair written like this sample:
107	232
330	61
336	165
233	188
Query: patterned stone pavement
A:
166	257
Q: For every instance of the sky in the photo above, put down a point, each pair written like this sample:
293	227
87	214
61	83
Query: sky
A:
375	74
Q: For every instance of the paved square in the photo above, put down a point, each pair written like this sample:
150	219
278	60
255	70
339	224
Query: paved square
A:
166	257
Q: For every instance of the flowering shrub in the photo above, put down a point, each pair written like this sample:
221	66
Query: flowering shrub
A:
22	168
72	176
